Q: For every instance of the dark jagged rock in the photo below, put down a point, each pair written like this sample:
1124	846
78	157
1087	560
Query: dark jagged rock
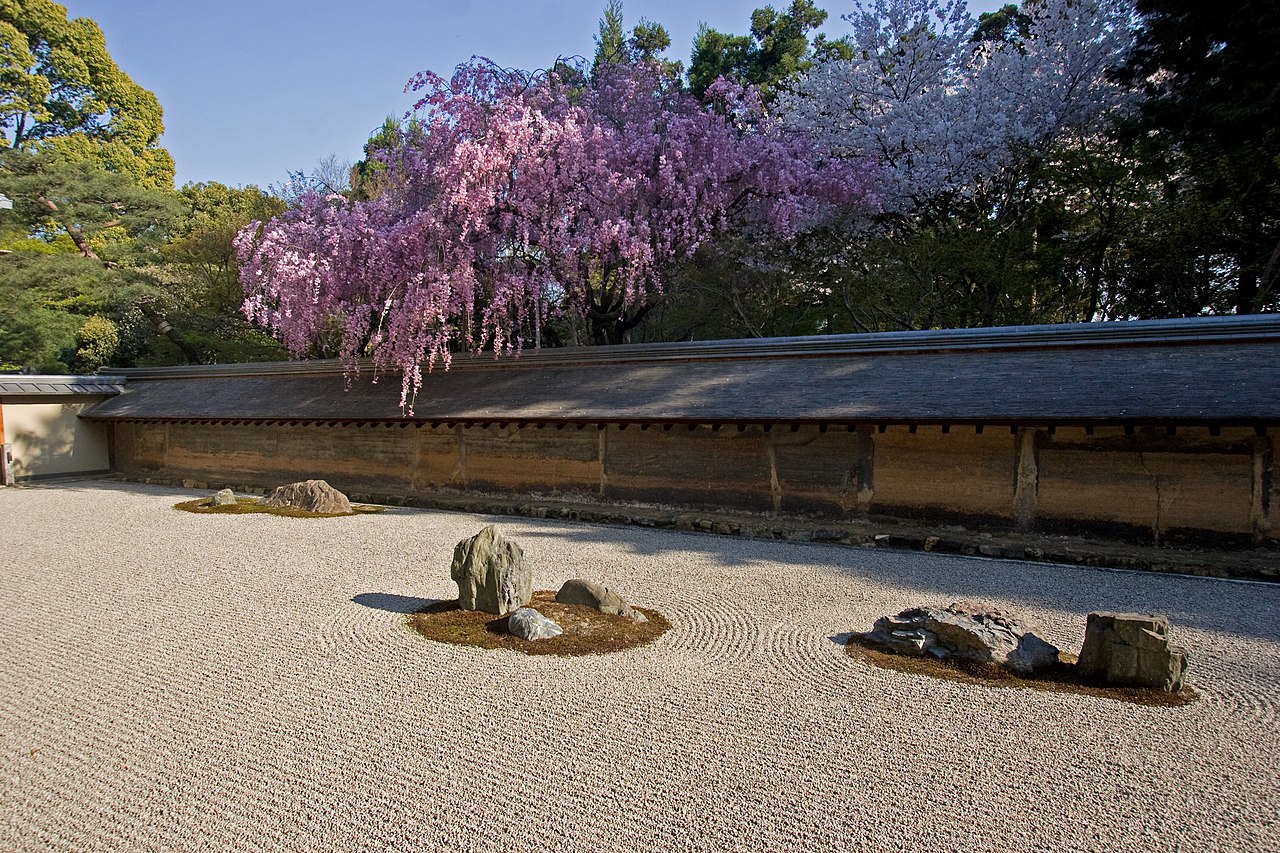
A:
965	630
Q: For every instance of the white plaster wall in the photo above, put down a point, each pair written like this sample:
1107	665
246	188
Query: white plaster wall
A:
49	439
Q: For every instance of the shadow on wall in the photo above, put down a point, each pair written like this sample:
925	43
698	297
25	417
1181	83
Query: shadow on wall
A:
48	439
42	442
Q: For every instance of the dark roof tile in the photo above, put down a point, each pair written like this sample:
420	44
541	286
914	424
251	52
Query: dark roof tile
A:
1212	370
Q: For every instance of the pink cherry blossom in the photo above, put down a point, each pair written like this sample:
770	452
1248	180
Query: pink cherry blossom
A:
515	195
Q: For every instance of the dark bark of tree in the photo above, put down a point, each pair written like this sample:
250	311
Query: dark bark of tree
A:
164	327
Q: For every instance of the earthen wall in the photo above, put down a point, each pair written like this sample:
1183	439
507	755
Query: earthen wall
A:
1145	484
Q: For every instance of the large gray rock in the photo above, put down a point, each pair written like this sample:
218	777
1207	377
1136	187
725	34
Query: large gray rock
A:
965	630
491	573
310	496
1131	649
528	624
599	597
225	497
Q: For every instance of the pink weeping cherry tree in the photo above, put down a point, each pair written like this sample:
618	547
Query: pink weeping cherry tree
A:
513	196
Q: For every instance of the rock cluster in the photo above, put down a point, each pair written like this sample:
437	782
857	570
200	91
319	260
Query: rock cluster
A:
1131	649
492	576
491	573
310	496
1120	649
598	597
968	631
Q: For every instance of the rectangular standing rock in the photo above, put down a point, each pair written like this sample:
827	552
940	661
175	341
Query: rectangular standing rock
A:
1131	649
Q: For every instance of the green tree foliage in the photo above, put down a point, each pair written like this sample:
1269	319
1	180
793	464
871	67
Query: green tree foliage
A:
369	175
79	240
45	300
647	43
202	275
103	263
776	49
1006	24
105	215
1210	139
611	38
96	344
200	238
61	91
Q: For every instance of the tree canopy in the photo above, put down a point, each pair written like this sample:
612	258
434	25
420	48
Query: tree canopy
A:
60	90
103	263
776	49
1210	130
518	196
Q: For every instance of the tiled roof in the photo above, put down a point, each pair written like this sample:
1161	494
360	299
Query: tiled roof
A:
1219	370
18	384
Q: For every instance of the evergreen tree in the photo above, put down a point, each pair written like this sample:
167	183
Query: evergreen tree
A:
1210	129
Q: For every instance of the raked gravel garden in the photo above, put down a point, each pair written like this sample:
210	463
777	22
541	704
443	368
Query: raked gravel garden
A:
173	681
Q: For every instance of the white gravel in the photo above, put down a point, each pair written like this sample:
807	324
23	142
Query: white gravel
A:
178	682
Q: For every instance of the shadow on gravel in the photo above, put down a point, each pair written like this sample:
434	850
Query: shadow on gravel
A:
393	603
1241	609
1245	609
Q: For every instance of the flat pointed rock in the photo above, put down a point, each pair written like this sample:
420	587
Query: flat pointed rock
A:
599	597
966	630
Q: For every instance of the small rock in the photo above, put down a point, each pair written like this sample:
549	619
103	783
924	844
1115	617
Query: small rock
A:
528	624
310	496
1132	649
491	573
1031	654
226	497
598	596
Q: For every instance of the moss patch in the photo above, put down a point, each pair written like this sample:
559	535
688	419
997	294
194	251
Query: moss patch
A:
1062	678
586	630
244	506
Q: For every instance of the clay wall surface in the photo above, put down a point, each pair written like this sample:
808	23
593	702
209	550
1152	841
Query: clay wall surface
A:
960	472
526	459
1147	485
701	466
1148	482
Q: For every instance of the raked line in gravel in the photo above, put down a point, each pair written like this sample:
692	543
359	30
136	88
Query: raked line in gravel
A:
179	682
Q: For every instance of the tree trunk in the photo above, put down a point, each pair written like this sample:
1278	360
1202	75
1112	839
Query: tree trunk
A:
165	328
73	232
1247	289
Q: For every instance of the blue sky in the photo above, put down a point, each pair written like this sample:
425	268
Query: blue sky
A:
251	90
